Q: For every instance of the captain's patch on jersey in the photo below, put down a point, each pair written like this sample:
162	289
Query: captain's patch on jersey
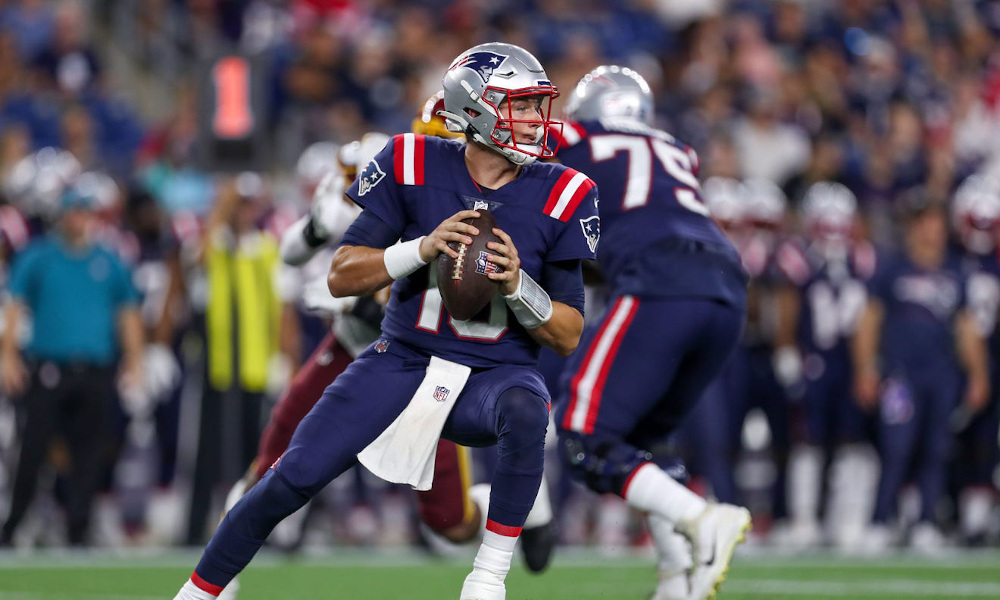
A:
592	231
370	177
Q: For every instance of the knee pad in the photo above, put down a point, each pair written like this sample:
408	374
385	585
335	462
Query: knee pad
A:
272	499
603	465
522	414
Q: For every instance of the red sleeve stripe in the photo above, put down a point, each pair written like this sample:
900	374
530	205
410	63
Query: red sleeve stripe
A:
408	159
205	586
569	190
504	530
572	133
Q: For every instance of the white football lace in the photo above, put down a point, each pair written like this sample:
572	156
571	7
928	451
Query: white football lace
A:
456	272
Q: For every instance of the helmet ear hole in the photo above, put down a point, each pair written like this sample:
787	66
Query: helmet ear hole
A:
472	113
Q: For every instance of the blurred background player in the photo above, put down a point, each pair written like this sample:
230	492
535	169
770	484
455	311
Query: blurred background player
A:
84	310
678	300
756	380
916	337
976	222
836	432
242	329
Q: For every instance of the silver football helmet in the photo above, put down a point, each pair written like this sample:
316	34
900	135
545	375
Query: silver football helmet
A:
765	203
314	163
828	210
478	84
724	197
37	181
975	213
611	91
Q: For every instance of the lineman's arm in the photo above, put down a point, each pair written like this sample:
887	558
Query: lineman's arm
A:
331	214
132	342
13	373
973	354
864	354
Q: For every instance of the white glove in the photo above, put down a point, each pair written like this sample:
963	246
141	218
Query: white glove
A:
787	365
326	210
316	299
136	401
161	370
279	373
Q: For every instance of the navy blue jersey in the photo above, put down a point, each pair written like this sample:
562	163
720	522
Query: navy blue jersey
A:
982	272
834	294
415	182
658	237
151	274
920	309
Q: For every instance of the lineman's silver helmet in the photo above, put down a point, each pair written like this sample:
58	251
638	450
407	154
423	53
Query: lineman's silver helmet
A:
611	91
828	210
480	80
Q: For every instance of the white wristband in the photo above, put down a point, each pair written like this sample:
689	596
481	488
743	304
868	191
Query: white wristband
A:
403	259
530	303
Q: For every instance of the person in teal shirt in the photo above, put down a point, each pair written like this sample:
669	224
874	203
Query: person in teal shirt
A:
85	316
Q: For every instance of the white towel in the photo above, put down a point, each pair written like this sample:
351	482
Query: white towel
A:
405	451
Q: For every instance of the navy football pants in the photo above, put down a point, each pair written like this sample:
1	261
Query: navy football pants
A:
638	371
914	436
506	406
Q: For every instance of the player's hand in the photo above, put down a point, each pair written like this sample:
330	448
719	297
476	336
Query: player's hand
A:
326	199
506	257
451	229
977	393
13	375
866	385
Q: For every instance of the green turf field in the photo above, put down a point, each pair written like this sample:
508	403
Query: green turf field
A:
573	577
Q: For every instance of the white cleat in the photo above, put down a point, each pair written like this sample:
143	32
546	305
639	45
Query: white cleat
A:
928	540
483	585
714	535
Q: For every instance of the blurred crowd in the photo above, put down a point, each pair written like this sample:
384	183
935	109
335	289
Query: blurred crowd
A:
110	129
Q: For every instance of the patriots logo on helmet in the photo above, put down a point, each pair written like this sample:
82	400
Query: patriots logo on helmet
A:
370	177
484	266
592	231
441	393
482	63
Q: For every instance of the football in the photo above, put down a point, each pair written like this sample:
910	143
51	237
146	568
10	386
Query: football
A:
463	282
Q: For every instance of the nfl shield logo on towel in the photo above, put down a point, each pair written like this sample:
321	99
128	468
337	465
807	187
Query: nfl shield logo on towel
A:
440	393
